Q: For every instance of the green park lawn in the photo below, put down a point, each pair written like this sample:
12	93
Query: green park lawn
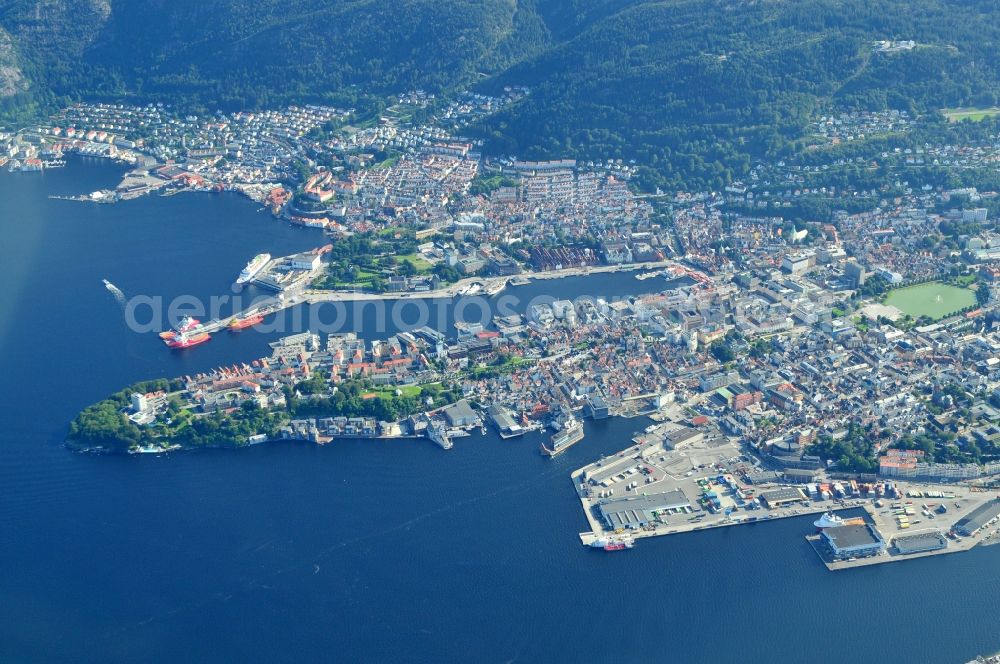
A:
421	264
407	390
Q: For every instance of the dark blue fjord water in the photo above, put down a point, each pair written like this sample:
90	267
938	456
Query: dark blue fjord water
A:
362	551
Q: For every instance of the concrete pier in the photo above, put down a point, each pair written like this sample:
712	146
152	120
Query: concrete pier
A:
651	490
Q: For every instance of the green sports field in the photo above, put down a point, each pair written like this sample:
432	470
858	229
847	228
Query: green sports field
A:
973	114
932	299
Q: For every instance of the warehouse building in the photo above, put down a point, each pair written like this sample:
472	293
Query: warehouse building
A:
782	497
634	513
682	437
763	477
853	541
800	475
596	407
919	542
978	518
604	472
505	422
460	414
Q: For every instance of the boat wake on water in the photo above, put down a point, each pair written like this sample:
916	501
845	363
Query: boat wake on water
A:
114	290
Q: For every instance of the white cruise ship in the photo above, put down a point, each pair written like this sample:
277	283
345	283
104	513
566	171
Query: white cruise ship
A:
253	267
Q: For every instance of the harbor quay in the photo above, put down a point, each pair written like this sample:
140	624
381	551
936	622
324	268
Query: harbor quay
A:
476	285
668	483
288	279
678	479
890	540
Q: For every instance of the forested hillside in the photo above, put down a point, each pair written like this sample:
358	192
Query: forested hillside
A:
239	54
694	89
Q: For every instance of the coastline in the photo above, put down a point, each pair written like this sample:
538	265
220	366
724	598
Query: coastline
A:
80	448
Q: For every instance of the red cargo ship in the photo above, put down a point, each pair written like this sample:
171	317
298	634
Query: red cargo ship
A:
244	323
615	543
186	325
186	341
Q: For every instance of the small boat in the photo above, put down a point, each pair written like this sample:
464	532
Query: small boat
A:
495	288
114	290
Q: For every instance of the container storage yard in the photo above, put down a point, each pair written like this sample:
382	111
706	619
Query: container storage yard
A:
678	478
